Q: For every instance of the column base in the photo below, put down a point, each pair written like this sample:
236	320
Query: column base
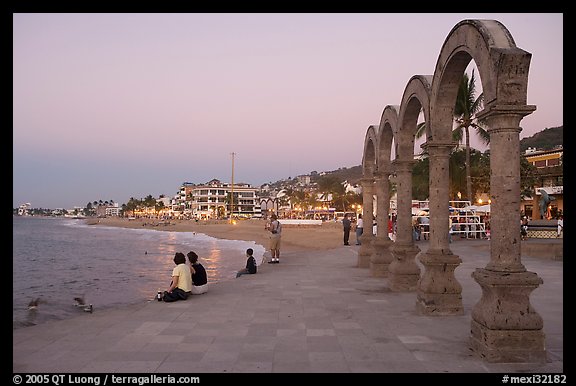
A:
505	327
381	258
363	261
404	273
439	293
508	346
366	250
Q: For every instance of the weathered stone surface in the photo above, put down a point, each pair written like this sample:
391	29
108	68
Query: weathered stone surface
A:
505	327
367	238
439	293
382	257
505	302
404	273
508	346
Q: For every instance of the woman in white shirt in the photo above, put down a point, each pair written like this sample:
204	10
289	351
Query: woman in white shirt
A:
359	228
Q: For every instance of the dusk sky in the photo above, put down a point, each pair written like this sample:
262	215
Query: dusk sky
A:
112	106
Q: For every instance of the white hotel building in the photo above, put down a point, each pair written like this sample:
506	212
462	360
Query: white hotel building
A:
210	200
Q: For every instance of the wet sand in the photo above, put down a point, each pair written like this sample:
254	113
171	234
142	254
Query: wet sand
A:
294	237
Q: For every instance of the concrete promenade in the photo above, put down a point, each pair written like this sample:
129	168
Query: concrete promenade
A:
313	312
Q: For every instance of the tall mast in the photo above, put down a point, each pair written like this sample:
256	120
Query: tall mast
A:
232	194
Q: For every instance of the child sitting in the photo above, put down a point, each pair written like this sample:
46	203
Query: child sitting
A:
250	264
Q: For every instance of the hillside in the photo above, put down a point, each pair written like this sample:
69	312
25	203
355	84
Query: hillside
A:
546	139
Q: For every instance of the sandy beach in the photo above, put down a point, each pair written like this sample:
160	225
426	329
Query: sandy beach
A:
294	237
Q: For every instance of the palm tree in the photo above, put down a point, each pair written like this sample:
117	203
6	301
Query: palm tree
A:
231	202
465	110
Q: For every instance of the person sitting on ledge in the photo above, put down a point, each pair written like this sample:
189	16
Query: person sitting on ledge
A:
181	284
250	264
199	277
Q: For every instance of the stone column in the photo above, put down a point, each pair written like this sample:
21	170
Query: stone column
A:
439	293
404	273
505	327
381	257
535	215
367	237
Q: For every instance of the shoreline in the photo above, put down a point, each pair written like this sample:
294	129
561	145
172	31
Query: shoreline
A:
294	237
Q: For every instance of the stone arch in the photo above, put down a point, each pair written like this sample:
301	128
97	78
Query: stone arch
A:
386	129
370	156
416	97
404	272
369	169
268	203
503	70
505	327
381	256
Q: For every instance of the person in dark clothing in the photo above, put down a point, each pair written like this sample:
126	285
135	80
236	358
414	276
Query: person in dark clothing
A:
347	225
199	277
251	267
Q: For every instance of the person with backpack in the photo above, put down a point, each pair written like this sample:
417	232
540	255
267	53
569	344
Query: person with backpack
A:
275	229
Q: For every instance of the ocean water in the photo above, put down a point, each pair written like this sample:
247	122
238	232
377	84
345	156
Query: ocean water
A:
58	259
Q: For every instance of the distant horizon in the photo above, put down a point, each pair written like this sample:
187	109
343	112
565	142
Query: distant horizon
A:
240	182
129	104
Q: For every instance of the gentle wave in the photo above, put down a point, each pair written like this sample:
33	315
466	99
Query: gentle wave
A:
58	259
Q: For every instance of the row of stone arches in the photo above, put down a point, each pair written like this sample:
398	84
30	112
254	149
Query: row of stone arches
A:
505	327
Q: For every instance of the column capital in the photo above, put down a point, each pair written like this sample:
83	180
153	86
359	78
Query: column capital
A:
435	147
382	174
509	116
366	181
402	165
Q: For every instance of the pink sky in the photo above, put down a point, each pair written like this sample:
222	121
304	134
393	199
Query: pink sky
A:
113	106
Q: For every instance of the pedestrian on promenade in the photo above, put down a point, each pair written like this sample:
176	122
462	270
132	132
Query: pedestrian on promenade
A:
251	267
560	225
275	229
199	277
359	228
346	226
524	228
416	229
181	285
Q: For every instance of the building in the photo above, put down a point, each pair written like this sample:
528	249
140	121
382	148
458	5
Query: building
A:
211	200
24	209
549	171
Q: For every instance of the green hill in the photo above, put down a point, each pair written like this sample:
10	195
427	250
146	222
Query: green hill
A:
546	139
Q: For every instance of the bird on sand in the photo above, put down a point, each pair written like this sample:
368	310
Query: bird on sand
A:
34	304
80	302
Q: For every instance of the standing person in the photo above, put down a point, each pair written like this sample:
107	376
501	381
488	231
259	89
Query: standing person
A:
199	277
275	229
424	226
359	228
181	285
524	228
346	225
251	267
560	225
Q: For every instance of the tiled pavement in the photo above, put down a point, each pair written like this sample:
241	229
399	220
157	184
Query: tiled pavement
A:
313	312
